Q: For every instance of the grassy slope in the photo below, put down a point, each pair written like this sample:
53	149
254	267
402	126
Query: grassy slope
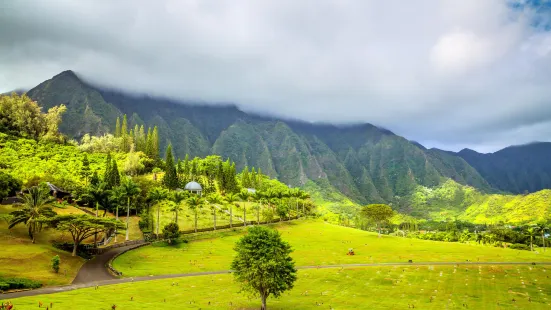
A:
486	287
20	258
315	243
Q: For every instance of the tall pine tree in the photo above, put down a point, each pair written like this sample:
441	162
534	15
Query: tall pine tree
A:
149	144
118	128
114	175
170	179
245	180
107	172
155	143
124	135
85	171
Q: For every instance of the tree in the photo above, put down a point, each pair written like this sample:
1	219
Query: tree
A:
83	226
55	263
231	199
244	197
531	232
99	195
541	229
8	185
132	164
215	200
170	179
118	128
155	143
149	144
36	205
130	190
107	171
379	213
195	203
85	171
95	178
263	264
114	175
177	197
155	196
171	231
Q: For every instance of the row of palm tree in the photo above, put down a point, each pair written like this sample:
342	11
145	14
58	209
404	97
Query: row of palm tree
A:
217	202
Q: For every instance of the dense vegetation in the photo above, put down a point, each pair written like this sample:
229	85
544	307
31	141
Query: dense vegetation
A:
363	162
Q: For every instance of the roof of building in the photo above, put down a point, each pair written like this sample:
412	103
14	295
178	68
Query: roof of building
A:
193	186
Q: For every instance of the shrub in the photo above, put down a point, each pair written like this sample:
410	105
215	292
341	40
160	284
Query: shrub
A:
17	283
171	232
519	246
55	263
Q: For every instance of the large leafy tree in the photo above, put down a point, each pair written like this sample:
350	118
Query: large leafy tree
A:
378	213
35	206
83	226
130	190
263	264
98	195
8	185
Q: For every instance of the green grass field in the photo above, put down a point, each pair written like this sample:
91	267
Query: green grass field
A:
20	258
426	287
315	243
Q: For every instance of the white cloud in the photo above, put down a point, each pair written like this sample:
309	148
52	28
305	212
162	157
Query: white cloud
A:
445	73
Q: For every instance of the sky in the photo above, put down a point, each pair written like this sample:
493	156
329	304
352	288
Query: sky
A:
448	74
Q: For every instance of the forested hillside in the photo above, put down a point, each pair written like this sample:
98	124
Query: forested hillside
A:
363	162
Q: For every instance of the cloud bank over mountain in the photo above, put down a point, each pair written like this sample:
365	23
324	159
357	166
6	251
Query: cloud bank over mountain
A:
449	74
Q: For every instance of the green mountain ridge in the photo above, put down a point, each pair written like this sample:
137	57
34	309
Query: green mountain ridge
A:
363	162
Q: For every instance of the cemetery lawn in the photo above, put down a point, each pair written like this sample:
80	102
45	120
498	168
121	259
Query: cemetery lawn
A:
315	243
20	258
425	287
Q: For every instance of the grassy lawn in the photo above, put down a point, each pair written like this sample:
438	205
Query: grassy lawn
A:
426	287
20	258
315	243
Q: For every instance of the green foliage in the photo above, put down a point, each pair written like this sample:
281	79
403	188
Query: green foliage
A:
171	231
21	116
8	185
263	264
17	283
36	206
83	226
170	178
378	213
55	263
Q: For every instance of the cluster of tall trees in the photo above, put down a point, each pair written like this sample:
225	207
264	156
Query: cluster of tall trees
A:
20	116
139	138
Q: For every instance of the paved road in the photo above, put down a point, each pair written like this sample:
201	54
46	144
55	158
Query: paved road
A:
112	280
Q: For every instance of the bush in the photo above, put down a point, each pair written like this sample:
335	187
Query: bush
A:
519	246
55	263
17	283
171	232
68	247
146	222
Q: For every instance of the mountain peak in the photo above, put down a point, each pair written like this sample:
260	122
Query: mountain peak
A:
66	74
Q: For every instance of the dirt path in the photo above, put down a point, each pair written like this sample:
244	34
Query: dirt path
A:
87	276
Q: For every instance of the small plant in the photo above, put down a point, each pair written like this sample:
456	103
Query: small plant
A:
55	263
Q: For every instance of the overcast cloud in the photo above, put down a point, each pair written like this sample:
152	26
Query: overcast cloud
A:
449	74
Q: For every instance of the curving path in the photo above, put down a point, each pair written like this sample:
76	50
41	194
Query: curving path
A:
105	278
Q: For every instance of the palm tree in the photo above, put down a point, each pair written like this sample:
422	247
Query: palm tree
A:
99	194
231	199
531	232
304	196
117	198
130	190
177	197
244	196
36	204
542	228
215	200
195	203
155	196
